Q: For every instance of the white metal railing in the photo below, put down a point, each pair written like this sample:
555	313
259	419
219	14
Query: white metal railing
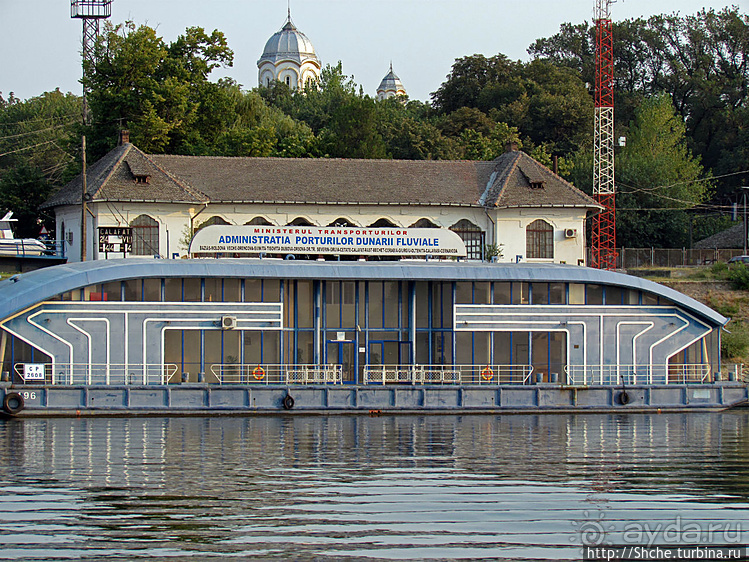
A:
737	372
265	373
100	373
636	374
447	374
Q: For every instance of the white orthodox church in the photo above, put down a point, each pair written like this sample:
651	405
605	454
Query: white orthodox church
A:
289	57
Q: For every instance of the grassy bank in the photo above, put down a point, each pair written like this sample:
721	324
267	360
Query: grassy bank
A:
722	288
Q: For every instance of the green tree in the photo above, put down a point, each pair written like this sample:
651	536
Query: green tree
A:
344	120
38	153
658	179
480	82
699	60
160	92
548	103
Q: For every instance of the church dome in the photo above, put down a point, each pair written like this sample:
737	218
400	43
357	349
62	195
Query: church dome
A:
288	44
390	86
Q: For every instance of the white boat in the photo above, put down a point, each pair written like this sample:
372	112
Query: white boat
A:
12	246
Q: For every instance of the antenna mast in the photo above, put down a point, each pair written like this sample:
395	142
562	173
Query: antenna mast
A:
603	238
91	12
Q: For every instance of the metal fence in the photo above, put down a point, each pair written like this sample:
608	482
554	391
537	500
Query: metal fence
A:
584	375
265	373
96	373
32	248
268	374
447	374
631	258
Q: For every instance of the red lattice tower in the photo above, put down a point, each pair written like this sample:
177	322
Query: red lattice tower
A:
603	236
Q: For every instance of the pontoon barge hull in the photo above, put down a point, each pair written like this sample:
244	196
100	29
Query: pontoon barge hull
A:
206	400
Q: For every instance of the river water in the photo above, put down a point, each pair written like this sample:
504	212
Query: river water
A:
364	488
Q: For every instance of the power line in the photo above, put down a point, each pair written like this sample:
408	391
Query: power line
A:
24	121
37	131
27	148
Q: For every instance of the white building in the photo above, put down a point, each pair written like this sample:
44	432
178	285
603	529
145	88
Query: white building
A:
512	206
288	57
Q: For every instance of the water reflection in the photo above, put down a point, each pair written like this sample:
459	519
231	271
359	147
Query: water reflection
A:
400	487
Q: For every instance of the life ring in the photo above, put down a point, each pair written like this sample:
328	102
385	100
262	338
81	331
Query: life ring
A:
623	398
13	403
258	373
487	374
288	402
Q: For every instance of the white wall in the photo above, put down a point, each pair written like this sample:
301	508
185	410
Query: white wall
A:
504	227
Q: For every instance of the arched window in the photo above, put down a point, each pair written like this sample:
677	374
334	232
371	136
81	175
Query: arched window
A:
423	223
383	223
259	221
145	236
300	221
215	219
473	237
342	222
539	240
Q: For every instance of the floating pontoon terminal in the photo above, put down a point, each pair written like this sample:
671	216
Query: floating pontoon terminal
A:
263	335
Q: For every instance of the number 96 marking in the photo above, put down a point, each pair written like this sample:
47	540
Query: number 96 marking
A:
29	395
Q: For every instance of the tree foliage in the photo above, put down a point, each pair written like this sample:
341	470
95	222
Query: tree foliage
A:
160	92
37	154
548	103
701	61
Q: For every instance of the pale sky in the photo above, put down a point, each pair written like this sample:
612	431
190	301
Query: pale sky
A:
40	43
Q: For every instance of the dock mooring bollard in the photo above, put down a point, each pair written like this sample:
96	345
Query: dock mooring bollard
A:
185	377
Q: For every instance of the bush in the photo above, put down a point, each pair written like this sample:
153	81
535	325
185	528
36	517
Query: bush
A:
735	343
719	269
738	275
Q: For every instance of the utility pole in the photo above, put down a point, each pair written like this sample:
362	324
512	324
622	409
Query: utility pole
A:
603	235
746	225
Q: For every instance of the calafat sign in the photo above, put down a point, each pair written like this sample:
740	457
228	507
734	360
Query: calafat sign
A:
231	240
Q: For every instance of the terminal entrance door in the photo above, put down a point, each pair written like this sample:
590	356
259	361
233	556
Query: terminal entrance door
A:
342	352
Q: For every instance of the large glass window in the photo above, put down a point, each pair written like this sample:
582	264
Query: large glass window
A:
539	240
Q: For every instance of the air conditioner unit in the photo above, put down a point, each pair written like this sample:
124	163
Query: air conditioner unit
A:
570	232
228	322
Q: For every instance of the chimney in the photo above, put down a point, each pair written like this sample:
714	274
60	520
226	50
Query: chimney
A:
511	146
124	137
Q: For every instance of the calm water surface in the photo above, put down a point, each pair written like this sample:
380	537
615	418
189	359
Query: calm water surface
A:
359	488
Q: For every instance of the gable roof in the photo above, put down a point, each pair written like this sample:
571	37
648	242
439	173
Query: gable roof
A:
732	237
502	183
113	178
513	185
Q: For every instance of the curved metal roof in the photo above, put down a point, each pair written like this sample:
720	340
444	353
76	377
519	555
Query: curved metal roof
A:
22	291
